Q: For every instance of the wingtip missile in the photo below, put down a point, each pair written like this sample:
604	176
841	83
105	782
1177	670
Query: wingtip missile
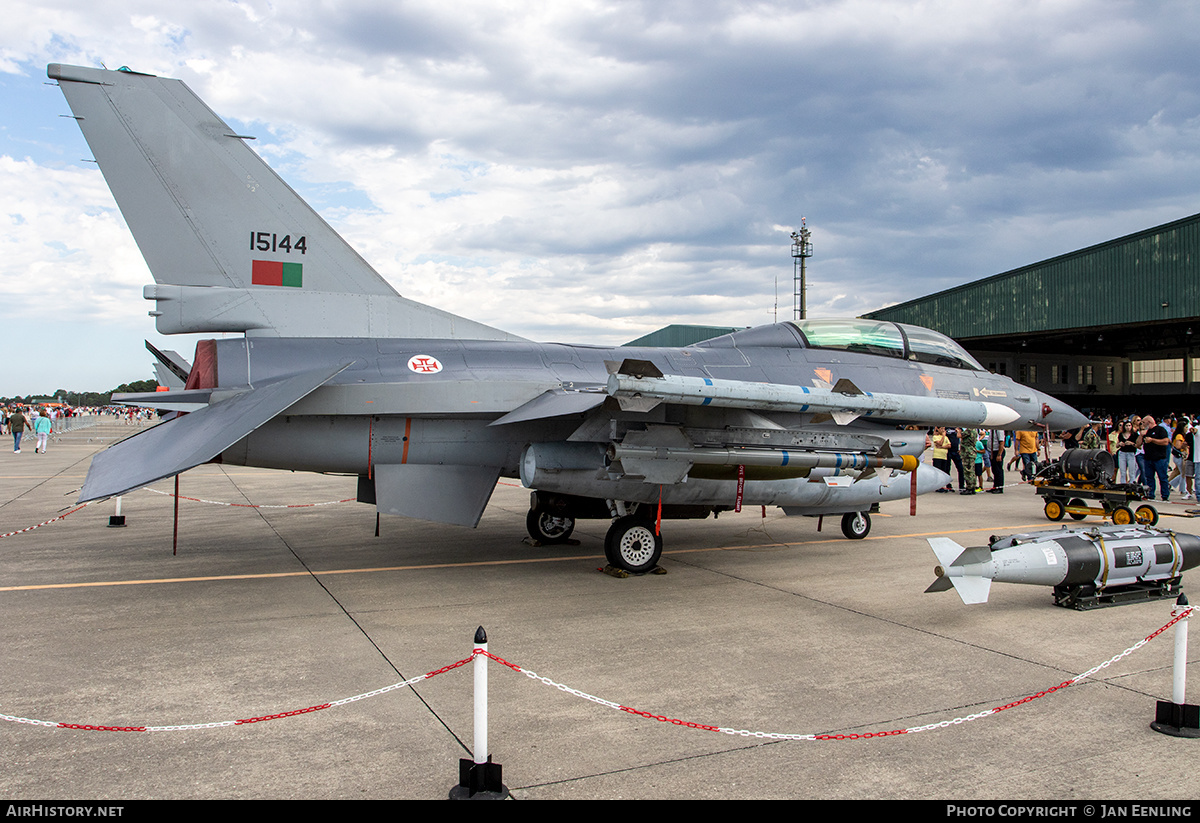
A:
634	380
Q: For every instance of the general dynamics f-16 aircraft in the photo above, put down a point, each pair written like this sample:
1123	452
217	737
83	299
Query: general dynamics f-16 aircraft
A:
338	373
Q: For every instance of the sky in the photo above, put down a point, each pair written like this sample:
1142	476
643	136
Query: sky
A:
592	171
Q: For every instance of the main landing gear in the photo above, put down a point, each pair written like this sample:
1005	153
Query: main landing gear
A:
632	545
549	528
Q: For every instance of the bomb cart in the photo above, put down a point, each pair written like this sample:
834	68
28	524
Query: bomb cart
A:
1083	482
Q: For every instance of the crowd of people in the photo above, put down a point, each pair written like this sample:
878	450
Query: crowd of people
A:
13	421
1156	454
18	420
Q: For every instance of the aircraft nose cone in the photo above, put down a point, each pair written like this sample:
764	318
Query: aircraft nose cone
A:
1058	416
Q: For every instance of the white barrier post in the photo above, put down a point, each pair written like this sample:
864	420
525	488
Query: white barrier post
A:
479	778
1179	685
117	519
480	741
1178	718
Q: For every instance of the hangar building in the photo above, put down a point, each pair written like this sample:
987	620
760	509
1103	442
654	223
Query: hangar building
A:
1112	327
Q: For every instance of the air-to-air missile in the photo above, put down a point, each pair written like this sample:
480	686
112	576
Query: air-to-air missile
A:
1088	566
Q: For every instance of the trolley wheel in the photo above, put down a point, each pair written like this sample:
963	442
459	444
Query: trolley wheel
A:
1075	501
1146	515
1122	516
1054	509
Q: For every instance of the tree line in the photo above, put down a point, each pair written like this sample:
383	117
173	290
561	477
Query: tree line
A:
85	398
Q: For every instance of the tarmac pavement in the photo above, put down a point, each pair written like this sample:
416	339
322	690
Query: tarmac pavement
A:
760	624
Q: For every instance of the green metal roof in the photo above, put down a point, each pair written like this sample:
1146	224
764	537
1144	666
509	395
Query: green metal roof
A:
1148	277
677	335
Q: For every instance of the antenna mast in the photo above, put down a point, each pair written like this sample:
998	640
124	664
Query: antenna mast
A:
801	251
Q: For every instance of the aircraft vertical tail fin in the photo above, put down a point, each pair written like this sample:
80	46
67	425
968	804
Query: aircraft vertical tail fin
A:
230	245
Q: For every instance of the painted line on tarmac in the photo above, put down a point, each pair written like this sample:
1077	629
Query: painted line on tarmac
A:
841	539
428	566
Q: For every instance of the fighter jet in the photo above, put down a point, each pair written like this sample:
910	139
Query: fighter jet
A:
336	372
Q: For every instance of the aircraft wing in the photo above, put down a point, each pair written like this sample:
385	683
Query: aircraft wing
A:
189	440
553	403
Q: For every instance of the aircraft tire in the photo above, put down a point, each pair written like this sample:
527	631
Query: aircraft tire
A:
549	528
632	545
1075	501
856	525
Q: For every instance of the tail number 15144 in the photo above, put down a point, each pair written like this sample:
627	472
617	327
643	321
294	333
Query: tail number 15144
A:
270	241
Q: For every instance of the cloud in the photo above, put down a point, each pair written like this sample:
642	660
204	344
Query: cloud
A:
594	170
64	243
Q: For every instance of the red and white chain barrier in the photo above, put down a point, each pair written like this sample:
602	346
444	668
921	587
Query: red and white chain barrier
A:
1178	615
192	499
244	721
46	522
252	505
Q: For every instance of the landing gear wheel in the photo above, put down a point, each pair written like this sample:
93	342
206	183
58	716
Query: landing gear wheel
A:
632	545
856	525
1146	515
549	528
1075	501
1054	510
1122	516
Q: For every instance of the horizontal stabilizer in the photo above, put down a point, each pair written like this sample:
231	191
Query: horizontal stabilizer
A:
185	400
443	494
191	439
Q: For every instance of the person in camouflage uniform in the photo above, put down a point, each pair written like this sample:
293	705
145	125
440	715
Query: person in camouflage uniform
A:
1089	439
967	443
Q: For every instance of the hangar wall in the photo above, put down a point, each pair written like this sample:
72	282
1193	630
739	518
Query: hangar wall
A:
1113	326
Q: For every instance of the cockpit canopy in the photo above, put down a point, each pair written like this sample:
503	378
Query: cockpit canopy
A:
852	334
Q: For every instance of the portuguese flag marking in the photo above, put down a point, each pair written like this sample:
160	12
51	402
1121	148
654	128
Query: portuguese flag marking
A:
275	273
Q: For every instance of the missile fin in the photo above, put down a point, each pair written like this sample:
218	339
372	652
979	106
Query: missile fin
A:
947	550
975	554
940	584
638	404
846	386
972	589
843	418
